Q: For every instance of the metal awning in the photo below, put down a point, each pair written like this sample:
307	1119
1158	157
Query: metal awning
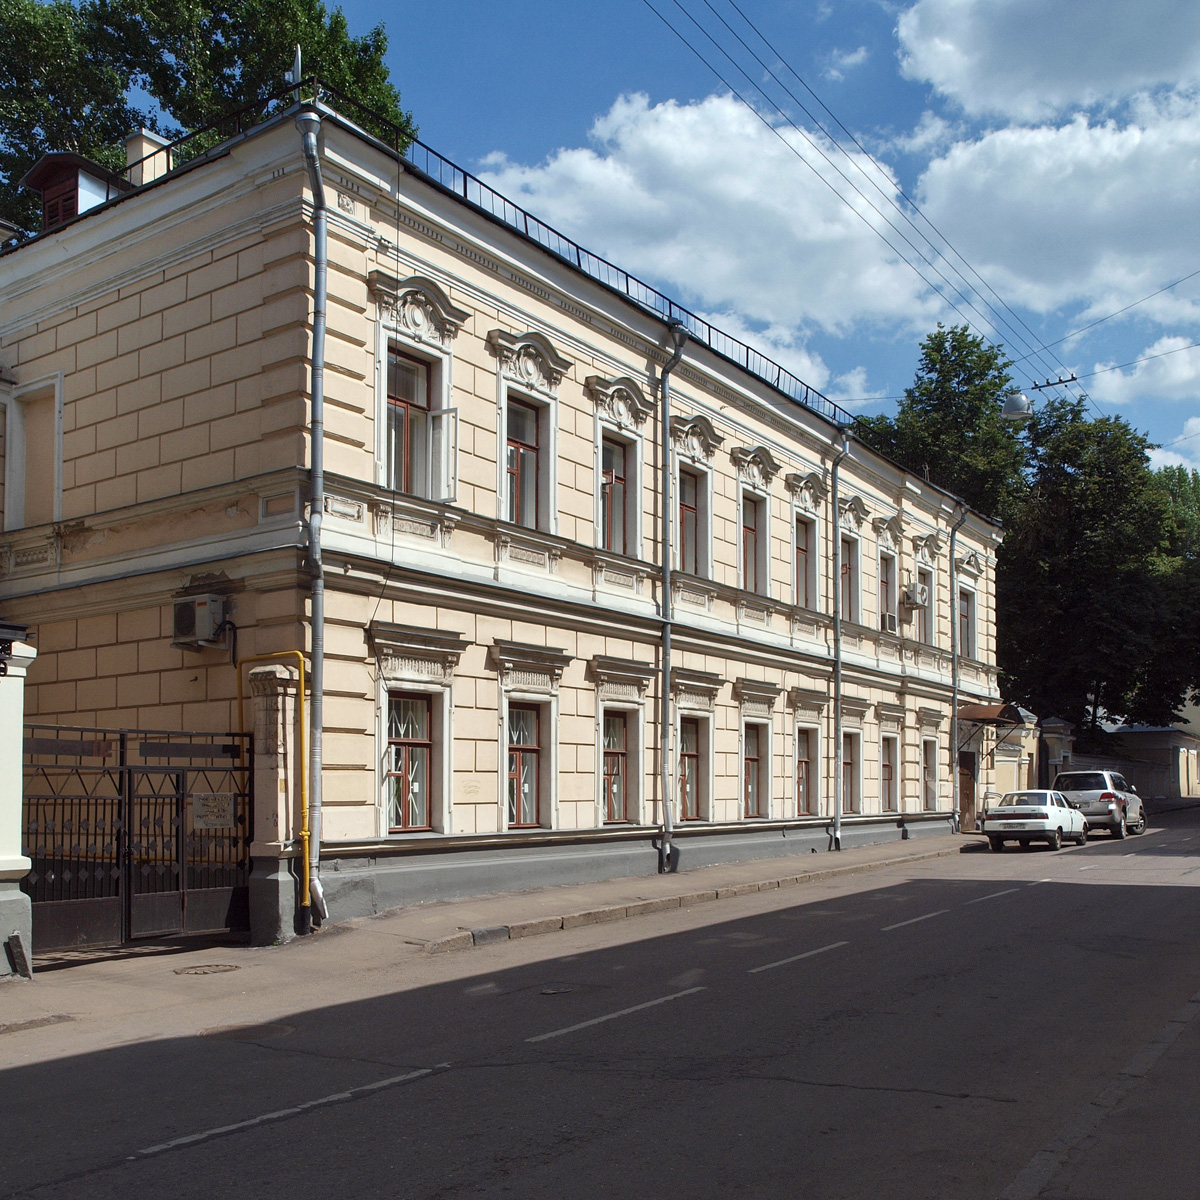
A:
991	714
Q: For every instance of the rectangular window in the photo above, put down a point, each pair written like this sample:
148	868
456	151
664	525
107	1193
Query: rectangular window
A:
805	550
689	769
408	424
690	559
755	761
849	773
849	579
929	775
616	767
754	550
924	614
888	756
887	593
614	496
806	797
523	464
524	766
966	623
410	746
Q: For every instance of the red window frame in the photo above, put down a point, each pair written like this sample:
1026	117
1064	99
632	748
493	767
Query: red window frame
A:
616	764
689	522
887	573
924	624
401	410
965	623
929	775
401	752
752	789
803	548
522	458
614	504
887	775
520	753
804	797
847	581
689	770
849	774
750	544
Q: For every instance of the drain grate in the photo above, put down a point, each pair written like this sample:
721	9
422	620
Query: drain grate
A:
206	969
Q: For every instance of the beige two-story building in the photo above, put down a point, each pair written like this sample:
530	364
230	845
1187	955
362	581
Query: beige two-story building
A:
491	539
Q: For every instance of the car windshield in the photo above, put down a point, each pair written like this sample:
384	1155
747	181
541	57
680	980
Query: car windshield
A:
1084	781
1024	800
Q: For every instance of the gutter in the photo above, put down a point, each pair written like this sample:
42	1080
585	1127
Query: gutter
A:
954	654
835	525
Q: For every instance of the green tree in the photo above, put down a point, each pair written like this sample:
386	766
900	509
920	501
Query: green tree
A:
196	61
948	427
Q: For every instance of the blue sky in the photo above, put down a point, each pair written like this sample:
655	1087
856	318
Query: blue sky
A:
1056	146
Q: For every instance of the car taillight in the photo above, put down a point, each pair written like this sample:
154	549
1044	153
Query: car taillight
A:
1108	795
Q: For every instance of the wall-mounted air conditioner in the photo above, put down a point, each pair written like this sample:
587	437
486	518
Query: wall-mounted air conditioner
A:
915	595
887	622
197	620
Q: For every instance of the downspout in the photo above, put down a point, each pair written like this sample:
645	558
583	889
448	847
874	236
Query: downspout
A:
309	125
678	334
838	753
958	524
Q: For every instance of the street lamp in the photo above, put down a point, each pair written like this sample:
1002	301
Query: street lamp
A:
1017	406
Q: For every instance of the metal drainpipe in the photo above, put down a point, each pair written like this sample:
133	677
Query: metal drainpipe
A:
678	335
838	754
308	123
962	517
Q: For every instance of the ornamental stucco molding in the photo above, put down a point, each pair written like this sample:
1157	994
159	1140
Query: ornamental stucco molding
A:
694	437
889	532
417	307
754	465
529	360
808	490
852	512
621	400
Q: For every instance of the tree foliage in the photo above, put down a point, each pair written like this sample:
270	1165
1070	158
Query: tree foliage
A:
72	86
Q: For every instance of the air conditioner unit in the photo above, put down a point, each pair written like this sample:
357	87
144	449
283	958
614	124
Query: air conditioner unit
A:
915	595
197	620
887	622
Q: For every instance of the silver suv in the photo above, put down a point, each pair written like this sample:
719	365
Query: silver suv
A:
1106	800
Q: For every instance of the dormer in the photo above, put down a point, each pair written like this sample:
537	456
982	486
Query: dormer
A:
71	184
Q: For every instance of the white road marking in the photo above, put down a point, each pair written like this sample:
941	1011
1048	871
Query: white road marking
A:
993	896
1130	854
914	920
624	1012
283	1113
783	962
1091	868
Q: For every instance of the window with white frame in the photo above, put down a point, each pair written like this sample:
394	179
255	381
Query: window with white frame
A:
925	606
929	779
806	773
850	765
525	765
694	526
618	495
755	563
693	768
887	592
411	765
806	563
966	623
889	757
617	767
420	432
848	583
756	770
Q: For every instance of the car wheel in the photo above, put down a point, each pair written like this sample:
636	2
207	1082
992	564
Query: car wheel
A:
1119	827
1081	840
1140	827
1056	840
996	844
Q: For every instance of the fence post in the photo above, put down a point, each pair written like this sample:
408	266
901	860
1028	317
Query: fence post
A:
16	915
277	761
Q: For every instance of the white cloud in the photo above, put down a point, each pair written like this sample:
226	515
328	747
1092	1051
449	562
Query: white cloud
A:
1185	450
706	199
1029	59
1171	372
841	61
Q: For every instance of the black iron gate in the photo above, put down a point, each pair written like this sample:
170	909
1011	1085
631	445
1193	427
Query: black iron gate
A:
135	834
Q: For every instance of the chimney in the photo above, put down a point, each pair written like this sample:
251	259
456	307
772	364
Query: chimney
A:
70	184
146	156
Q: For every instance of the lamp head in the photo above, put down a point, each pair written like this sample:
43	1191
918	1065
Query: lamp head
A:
1016	406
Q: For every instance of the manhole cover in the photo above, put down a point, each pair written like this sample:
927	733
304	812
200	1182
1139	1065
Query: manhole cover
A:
206	969
247	1033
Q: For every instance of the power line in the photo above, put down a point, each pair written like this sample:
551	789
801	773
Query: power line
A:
1133	362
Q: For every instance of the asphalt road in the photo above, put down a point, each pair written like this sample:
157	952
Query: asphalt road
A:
955	1028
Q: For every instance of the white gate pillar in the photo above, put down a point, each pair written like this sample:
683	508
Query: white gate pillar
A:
16	915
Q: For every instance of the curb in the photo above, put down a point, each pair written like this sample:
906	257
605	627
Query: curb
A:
466	939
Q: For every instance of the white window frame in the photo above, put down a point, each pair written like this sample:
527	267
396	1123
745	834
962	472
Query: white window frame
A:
635	758
635	457
766	771
930	606
762	537
930	752
707	757
855	616
856	738
814	558
439	362
893	740
548	708
441	810
547	415
892	558
704	521
972	649
12	399
814	769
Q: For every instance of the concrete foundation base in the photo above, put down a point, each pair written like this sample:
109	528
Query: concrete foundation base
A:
272	902
16	916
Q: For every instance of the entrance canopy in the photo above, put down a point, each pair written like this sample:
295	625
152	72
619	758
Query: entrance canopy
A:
991	714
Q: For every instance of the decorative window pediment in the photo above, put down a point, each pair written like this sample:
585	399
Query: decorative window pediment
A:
930	718
619	678
528	668
889	531
417	307
621	400
854	709
807	699
971	564
852	512
529	360
695	689
756	697
809	490
927	548
405	652
890	716
755	465
695	437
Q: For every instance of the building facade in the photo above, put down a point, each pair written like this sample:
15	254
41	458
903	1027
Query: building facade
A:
492	535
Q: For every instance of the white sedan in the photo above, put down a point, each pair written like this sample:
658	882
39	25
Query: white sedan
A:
1036	816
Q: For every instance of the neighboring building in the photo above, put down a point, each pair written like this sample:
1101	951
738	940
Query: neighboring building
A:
491	533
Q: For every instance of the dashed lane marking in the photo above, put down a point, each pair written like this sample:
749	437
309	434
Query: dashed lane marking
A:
624	1012
783	962
993	896
914	920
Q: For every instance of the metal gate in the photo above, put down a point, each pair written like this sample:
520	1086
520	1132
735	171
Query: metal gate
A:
135	834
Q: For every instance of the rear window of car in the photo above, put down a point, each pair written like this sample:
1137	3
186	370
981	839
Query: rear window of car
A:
1023	799
1082	781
